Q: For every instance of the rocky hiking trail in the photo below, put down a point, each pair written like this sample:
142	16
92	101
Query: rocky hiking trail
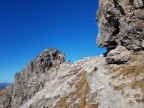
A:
111	80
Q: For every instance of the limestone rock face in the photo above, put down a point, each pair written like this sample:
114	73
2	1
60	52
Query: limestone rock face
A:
121	22
31	79
88	83
91	82
112	81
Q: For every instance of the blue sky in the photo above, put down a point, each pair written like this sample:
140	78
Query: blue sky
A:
29	26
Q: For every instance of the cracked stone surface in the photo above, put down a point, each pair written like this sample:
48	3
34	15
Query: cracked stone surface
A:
121	22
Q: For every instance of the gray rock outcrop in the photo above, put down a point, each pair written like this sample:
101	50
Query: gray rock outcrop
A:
111	80
87	83
121	22
31	79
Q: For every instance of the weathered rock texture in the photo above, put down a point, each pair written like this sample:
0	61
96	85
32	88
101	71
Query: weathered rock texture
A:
121	22
31	79
87	83
114	81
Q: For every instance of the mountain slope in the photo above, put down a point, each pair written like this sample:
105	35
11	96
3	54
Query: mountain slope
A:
87	83
112	80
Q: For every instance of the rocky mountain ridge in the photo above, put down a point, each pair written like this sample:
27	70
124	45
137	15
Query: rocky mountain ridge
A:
112	80
91	82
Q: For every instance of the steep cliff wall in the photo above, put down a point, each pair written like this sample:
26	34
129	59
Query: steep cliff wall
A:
121	22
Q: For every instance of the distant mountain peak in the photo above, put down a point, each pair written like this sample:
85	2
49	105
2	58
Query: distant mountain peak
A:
4	85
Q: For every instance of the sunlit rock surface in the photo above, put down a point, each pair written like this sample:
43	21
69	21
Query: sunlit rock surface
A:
87	83
111	80
121	22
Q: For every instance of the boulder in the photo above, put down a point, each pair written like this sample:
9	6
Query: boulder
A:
119	55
